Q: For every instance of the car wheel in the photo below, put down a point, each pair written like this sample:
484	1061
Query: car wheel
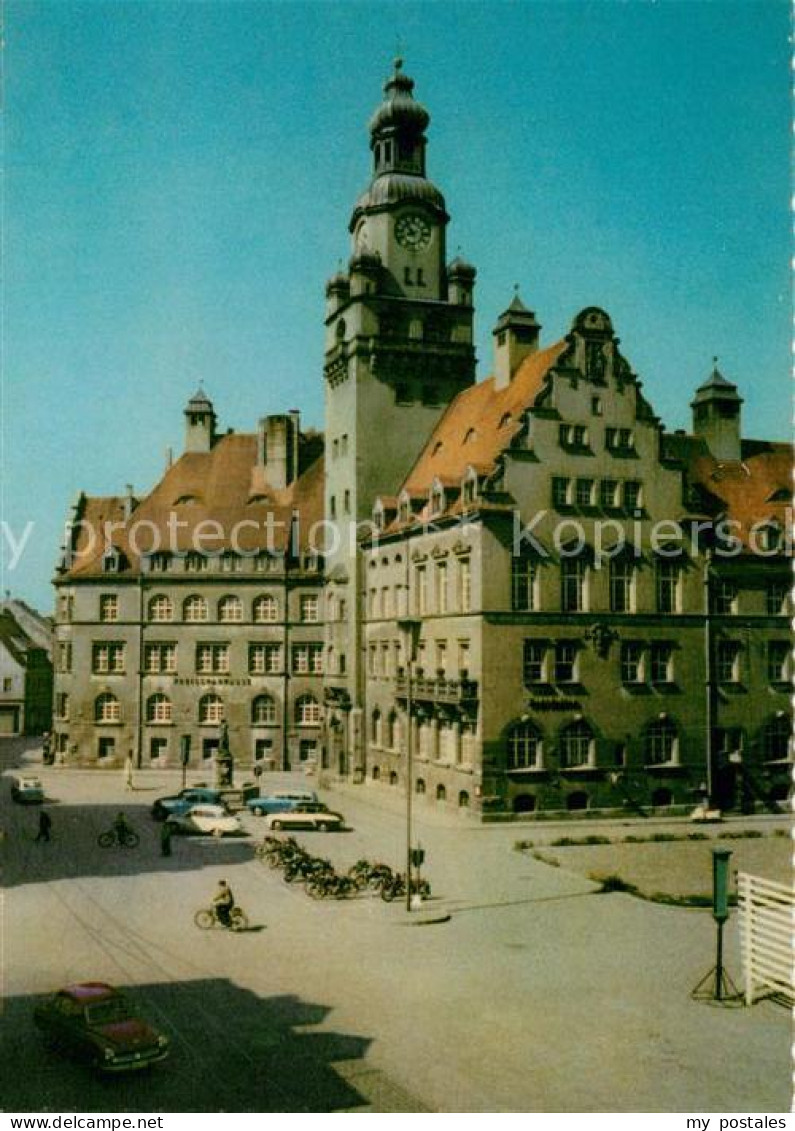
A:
218	833
322	827
276	824
258	811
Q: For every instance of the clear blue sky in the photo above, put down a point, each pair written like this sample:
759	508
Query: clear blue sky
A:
179	178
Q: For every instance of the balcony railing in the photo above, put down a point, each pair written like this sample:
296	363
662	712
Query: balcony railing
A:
438	690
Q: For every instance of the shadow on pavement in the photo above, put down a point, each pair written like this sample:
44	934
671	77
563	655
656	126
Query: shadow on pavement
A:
73	849
231	1050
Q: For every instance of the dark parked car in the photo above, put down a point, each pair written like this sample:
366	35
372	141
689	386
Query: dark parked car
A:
93	1022
181	802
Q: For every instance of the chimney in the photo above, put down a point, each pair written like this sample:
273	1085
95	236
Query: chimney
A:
129	501
277	448
515	337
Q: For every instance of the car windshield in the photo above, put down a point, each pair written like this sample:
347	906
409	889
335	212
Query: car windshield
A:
105	1012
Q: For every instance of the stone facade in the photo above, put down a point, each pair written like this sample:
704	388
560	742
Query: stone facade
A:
552	603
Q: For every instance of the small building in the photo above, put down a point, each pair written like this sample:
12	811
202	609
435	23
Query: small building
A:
26	676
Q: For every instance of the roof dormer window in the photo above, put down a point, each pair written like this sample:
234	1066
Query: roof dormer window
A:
111	560
437	498
469	487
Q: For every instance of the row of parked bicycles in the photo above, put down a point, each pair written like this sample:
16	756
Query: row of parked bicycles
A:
321	880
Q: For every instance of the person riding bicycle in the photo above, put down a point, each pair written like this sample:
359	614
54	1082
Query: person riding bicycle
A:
223	902
121	827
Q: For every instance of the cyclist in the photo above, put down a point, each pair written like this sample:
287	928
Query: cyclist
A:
121	827
223	902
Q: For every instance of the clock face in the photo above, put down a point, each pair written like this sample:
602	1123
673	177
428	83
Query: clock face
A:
413	231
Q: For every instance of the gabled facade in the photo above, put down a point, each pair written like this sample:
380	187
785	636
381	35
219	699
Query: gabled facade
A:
554	603
26	680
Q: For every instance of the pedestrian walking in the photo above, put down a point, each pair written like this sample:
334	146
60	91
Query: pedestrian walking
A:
128	771
45	824
165	839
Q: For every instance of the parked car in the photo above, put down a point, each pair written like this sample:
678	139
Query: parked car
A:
27	789
95	1023
205	820
280	801
183	801
307	815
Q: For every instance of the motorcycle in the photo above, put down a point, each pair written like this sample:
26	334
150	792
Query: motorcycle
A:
396	887
207	918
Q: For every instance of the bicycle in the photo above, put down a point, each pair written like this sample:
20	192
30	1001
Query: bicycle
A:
207	918
125	838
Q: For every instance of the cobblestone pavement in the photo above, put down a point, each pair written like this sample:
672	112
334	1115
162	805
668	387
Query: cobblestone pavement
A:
536	995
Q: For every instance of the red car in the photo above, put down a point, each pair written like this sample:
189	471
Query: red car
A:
93	1022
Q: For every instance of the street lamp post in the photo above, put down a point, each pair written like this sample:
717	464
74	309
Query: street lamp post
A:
411	627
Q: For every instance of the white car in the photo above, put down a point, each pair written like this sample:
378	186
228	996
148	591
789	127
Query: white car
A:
27	789
206	820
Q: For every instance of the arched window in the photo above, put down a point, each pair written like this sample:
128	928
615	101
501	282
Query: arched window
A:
158	709
441	793
307	711
161	608
263	710
660	742
577	800
194	608
375	727
107	708
393	736
420	785
776	735
266	609
211	709
376	773
524	746
230	609
393	778
576	745
463	799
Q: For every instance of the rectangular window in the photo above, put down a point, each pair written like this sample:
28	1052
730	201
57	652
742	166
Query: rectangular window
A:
310	608
632	495
422	590
565	661
386	659
373	660
608	494
618	440
195	562
533	662
662	653
622	585
561	492
463	657
160	659
776	598
573	573
727	661
64	655
441	587
465	584
724	597
264	659
346	501
584	492
108	607
308	659
778	652
667	584
62	705
524	571
107	658
441	657
386	601
212	658
631	662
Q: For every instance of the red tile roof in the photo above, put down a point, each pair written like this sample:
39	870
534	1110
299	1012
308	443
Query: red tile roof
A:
224	486
480	424
753	491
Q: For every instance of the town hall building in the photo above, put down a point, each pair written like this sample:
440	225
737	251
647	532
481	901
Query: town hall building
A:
524	586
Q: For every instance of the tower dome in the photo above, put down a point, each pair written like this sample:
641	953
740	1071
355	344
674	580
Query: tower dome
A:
399	110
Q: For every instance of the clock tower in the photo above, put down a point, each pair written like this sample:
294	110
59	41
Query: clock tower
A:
398	349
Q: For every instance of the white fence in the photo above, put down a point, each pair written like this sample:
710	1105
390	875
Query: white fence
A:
767	931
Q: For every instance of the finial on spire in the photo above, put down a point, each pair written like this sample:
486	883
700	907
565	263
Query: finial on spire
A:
398	61
715	360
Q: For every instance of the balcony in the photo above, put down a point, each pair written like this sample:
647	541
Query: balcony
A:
438	690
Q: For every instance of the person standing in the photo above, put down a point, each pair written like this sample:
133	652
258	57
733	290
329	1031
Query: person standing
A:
165	839
45	824
128	770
